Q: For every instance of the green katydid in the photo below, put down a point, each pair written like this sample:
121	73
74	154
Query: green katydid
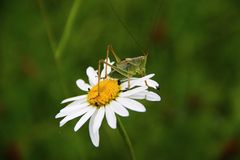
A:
127	68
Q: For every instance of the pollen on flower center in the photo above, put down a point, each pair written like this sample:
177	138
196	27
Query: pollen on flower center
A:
108	90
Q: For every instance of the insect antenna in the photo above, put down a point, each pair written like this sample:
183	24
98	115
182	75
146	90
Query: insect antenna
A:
125	26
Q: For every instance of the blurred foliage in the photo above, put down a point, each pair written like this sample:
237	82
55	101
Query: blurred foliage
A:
193	49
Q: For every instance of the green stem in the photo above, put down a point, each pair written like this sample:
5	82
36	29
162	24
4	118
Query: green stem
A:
51	38
67	29
57	51
126	138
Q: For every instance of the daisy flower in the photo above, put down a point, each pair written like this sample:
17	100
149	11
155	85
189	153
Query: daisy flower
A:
114	98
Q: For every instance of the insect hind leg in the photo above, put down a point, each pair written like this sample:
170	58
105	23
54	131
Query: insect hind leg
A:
120	71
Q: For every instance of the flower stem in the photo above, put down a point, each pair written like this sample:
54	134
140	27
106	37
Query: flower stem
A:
126	138
45	16
58	49
67	29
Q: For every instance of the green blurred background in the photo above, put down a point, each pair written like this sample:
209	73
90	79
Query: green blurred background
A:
193	50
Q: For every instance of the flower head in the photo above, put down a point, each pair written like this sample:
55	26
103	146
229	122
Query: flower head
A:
108	98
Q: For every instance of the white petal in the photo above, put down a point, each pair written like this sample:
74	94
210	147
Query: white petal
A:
94	136
140	95
74	108
136	81
119	109
111	118
151	96
92	76
132	91
84	118
74	98
148	95
98	119
71	105
139	81
108	68
74	115
131	104
152	83
59	115
63	114
82	85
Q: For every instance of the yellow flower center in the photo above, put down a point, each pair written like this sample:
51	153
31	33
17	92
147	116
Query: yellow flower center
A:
108	90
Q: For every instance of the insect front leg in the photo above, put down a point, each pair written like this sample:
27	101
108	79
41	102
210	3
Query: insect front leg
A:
99	68
146	83
108	48
145	80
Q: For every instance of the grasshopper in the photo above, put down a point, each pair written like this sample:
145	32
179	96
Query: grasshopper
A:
127	68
